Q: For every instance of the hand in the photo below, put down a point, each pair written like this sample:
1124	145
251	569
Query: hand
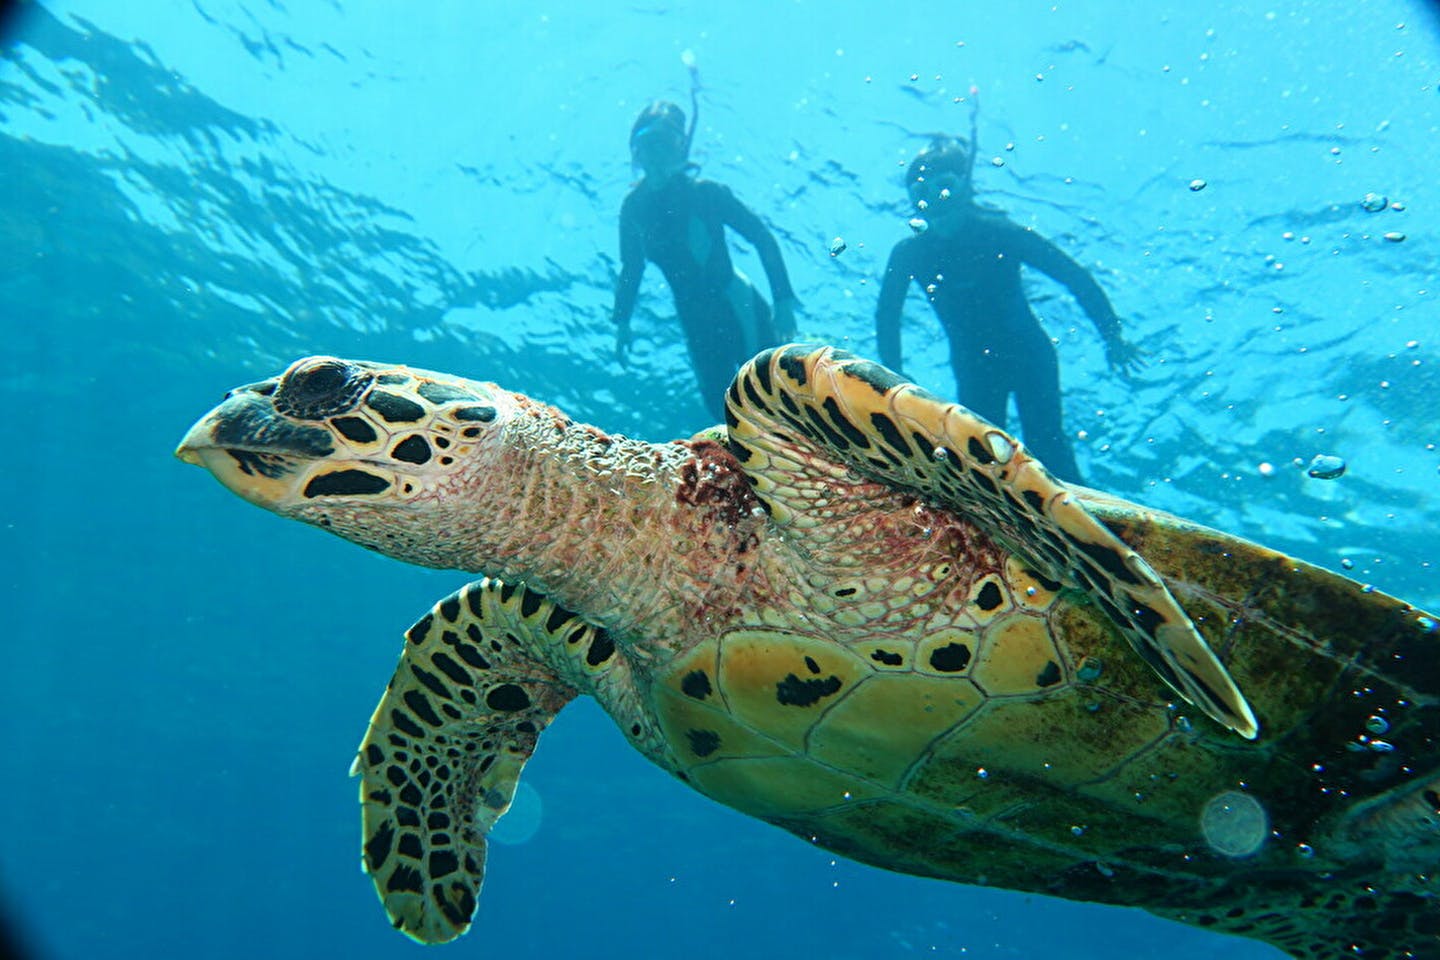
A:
1123	357
623	339
784	320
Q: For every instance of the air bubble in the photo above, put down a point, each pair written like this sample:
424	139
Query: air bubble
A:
1326	466
1234	824
837	246
1427	624
941	454
1197	185
1374	202
1377	725
918	225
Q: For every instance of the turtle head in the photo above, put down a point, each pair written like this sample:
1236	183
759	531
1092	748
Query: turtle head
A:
338	442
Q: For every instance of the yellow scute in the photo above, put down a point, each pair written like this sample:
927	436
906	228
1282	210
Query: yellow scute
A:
1018	657
699	733
889	721
783	682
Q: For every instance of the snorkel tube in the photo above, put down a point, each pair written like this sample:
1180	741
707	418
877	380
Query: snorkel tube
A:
688	58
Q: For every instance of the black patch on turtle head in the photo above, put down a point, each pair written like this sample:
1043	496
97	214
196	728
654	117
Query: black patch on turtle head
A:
887	658
794	692
394	408
355	429
481	414
951	658
1049	676
413	449
345	483
696	685
254	464
438	393
703	742
248	422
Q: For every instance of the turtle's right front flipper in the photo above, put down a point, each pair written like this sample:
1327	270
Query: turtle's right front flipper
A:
808	424
446	745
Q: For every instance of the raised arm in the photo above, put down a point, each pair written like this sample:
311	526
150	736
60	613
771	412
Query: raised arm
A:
1049	259
743	221
898	274
627	287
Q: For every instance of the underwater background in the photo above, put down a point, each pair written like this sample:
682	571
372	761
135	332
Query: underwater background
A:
194	194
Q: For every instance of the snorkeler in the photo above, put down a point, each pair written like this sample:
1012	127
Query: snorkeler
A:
967	259
678	221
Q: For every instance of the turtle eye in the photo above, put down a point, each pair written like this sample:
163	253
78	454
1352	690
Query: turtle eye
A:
320	387
316	379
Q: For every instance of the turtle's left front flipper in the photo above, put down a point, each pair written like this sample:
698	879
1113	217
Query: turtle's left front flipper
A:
446	745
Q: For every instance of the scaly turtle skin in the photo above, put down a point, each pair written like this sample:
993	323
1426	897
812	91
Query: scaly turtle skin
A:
870	618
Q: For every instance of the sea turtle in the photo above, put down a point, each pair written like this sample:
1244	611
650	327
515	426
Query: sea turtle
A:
869	617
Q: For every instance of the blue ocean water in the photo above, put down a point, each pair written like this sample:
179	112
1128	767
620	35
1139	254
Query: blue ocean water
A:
195	194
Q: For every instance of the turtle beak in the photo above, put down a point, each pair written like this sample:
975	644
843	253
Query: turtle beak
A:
253	451
187	451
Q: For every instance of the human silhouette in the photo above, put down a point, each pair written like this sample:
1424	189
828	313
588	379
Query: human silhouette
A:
967	260
677	221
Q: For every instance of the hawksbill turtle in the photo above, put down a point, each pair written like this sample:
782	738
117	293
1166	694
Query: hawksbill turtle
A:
871	618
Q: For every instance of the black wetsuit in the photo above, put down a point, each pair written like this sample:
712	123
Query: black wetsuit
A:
997	346
680	226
